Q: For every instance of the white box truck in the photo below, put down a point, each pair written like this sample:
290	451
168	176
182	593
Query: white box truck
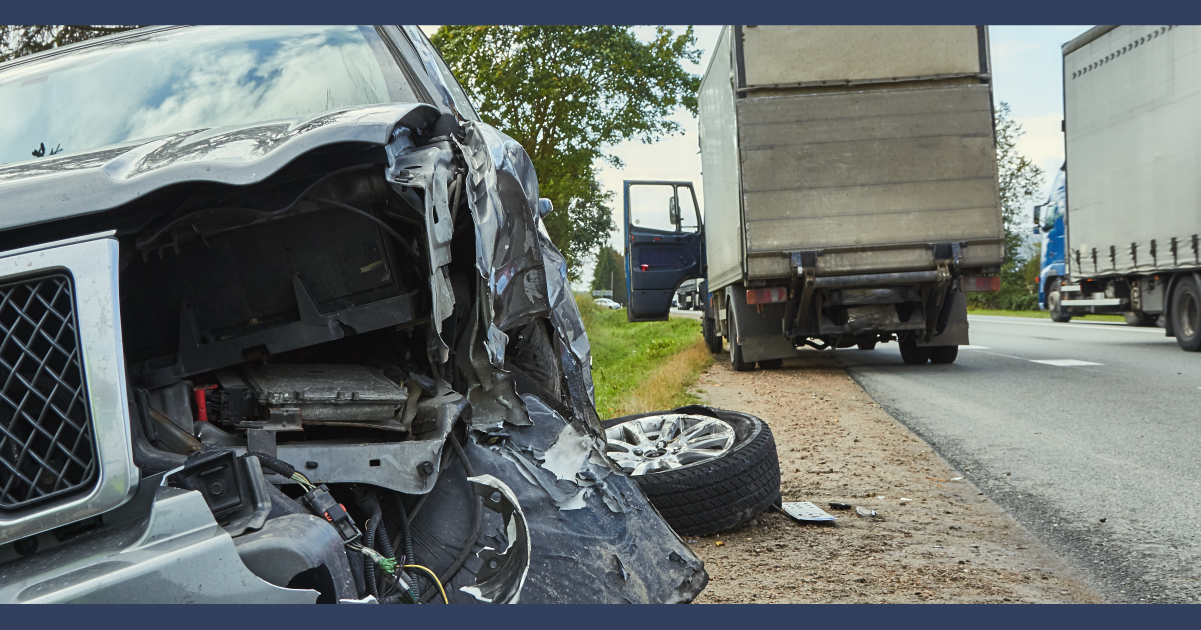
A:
1132	125
850	185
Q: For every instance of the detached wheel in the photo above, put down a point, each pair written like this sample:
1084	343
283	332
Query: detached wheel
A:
944	354
736	360
709	332
704	469
1186	314
911	354
1054	300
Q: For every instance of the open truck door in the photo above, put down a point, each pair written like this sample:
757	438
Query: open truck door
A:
664	245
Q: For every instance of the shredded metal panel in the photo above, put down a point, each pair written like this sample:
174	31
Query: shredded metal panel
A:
46	444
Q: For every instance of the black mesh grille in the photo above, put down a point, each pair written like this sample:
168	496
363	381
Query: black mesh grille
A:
46	445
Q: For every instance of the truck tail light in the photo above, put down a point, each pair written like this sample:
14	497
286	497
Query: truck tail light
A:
766	296
971	284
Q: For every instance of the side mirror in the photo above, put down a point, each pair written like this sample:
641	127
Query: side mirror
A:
1037	212
673	210
545	207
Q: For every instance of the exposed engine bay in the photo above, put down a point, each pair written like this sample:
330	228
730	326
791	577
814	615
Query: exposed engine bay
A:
371	367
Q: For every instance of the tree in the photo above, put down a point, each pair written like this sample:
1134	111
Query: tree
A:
1019	180
567	93
18	41
610	273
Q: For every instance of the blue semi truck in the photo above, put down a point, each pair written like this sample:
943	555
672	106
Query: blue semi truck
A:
1049	222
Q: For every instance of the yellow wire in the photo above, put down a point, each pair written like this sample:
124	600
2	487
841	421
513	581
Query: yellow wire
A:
434	577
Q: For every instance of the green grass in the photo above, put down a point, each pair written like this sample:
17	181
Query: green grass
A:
643	366
1044	315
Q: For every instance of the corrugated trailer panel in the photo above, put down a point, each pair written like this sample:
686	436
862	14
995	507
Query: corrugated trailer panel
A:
1132	101
720	168
887	170
786	55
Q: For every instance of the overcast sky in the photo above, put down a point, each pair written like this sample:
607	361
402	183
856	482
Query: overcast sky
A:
1026	74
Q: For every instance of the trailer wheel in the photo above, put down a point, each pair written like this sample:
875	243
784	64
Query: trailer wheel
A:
1054	298
912	354
867	345
944	354
736	361
723	476
709	332
1186	314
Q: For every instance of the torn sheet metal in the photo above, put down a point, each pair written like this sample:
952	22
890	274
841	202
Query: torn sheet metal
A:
502	193
429	169
614	548
502	573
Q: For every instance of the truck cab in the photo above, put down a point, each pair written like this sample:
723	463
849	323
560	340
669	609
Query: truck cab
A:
1049	222
665	245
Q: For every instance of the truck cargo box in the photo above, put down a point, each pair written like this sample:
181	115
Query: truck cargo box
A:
864	144
1132	105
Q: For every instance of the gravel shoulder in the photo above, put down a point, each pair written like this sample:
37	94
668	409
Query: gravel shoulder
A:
948	543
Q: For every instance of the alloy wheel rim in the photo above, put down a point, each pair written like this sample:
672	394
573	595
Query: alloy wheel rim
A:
667	442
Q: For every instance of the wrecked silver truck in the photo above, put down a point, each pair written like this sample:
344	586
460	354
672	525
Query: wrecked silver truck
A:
280	323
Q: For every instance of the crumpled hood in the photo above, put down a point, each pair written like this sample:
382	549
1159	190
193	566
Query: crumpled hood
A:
62	186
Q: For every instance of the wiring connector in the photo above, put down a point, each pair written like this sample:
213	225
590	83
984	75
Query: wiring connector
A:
320	502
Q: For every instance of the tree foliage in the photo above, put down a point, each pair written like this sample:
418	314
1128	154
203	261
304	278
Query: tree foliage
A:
567	93
610	273
1019	180
18	41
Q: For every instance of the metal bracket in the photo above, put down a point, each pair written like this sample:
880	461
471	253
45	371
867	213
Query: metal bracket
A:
804	277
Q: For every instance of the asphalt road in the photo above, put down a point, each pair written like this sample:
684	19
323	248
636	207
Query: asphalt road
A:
1089	434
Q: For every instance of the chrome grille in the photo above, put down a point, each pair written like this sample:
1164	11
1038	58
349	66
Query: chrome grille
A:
47	448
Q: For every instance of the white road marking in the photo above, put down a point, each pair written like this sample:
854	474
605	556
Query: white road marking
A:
1064	362
996	319
973	347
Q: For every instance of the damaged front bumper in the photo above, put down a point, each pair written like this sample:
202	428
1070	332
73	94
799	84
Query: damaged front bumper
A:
532	512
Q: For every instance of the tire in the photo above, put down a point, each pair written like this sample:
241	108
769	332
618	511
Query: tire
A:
944	354
867	345
771	364
719	493
1186	314
911	354
736	361
709	332
1054	299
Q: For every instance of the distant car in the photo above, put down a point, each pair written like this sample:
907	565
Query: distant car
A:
607	303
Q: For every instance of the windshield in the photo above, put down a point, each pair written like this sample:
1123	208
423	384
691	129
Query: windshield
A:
166	82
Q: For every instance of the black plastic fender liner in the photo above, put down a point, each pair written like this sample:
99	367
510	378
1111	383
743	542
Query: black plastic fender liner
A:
724	492
607	544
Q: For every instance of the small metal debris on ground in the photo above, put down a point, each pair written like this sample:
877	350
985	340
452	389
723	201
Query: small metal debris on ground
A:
866	513
904	500
719	544
956	478
805	512
847	506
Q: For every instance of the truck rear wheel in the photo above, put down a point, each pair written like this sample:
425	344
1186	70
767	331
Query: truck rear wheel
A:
736	360
709	332
1054	299
1186	314
944	354
912	354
